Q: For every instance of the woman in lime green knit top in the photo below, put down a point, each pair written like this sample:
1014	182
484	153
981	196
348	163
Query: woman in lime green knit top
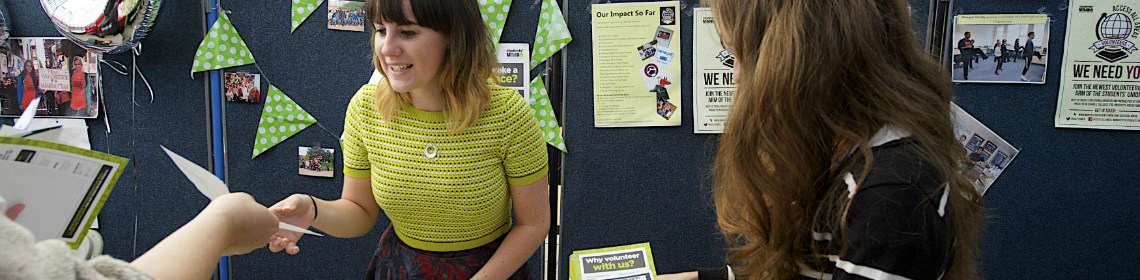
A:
446	154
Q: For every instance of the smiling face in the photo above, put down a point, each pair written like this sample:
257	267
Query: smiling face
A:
439	49
410	55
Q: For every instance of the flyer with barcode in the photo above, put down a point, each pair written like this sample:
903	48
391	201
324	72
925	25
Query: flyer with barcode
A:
63	188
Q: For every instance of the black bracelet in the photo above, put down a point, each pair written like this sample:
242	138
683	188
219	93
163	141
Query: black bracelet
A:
314	207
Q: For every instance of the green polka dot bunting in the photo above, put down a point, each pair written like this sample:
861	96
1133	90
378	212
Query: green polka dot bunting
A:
495	16
221	48
544	113
301	10
281	118
552	33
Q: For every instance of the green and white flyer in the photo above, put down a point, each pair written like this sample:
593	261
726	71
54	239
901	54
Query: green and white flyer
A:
629	262
62	187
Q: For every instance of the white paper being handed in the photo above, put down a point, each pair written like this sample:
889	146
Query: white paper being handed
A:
29	113
212	187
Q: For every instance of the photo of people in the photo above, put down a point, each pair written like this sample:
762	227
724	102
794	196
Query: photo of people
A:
665	109
243	87
1000	48
987	153
315	161
346	15
663	37
647	50
63	75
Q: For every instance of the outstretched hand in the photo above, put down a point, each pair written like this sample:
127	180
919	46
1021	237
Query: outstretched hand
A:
247	224
297	209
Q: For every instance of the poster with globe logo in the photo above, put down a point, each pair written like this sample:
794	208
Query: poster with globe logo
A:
1100	78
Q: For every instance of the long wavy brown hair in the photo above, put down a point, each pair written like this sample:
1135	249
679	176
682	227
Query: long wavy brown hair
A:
468	63
817	79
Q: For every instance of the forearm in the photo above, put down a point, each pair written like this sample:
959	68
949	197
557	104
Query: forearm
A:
515	250
343	218
191	252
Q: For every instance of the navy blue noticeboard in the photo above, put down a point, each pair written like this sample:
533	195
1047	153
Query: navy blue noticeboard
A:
1067	206
320	70
632	185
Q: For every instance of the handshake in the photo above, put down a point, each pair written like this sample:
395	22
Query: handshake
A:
232	224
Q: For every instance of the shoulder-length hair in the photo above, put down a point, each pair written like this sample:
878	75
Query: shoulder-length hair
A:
469	59
817	79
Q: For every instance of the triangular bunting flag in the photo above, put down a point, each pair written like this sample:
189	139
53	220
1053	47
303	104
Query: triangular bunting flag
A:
281	118
301	10
544	113
552	33
495	16
221	48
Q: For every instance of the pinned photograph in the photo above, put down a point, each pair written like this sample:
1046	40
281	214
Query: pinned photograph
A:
1002	48
647	50
54	69
665	109
987	153
243	87
664	55
315	161
346	15
662	94
663	37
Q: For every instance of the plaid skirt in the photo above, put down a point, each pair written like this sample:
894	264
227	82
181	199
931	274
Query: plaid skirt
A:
394	260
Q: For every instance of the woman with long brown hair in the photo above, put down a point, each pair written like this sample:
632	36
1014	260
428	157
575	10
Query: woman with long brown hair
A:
838	159
443	151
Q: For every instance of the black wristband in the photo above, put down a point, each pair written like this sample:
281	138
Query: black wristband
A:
713	273
314	200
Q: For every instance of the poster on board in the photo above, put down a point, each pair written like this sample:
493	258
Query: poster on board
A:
713	83
1100	80
514	67
637	64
